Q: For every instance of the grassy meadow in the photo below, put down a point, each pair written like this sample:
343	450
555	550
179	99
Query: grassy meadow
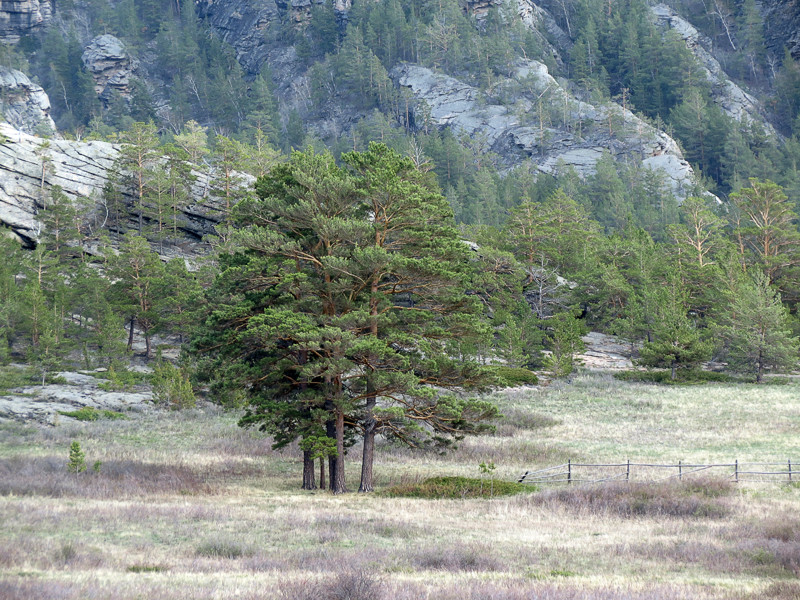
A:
187	505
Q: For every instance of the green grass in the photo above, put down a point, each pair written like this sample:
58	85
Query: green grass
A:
693	377
458	488
146	569
88	413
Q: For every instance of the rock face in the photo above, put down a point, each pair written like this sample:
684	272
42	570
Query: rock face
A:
28	166
782	26
110	65
605	353
242	24
24	104
545	125
732	99
23	17
43	403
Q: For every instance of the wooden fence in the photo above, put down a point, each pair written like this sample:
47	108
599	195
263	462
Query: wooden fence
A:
580	473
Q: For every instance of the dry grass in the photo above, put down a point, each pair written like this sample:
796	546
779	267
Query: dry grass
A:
695	499
48	476
189	505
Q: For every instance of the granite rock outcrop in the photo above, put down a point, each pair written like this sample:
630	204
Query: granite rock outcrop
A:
107	59
30	166
540	121
23	17
24	104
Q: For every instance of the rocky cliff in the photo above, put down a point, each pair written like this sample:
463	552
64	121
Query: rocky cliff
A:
545	124
731	98
23	17
30	166
107	59
782	26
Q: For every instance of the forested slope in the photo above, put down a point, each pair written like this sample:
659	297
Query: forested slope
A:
598	156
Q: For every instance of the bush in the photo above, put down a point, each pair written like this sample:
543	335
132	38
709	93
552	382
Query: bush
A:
351	585
514	376
120	378
458	488
171	386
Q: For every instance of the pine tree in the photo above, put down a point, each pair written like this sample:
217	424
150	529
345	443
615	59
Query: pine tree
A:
675	341
757	330
767	232
138	155
138	290
77	459
312	314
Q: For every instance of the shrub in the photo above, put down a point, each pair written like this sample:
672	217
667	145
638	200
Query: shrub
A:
458	488
514	376
460	558
46	476
120	378
684	377
351	585
171	386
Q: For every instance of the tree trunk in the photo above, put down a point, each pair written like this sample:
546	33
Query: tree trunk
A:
308	471
337	478
330	431
322	483
674	371
369	448
130	334
760	363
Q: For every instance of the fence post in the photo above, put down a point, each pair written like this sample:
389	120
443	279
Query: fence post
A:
736	469
569	471
680	470
790	470
524	475
628	471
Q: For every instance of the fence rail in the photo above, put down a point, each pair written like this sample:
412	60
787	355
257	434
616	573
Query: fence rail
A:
583	473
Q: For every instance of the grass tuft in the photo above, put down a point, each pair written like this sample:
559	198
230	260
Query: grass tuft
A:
222	548
352	585
146	569
699	499
457	488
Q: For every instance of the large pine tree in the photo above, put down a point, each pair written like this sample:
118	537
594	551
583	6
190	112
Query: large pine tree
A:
345	306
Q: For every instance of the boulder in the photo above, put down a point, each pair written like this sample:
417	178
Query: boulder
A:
110	65
23	104
78	390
